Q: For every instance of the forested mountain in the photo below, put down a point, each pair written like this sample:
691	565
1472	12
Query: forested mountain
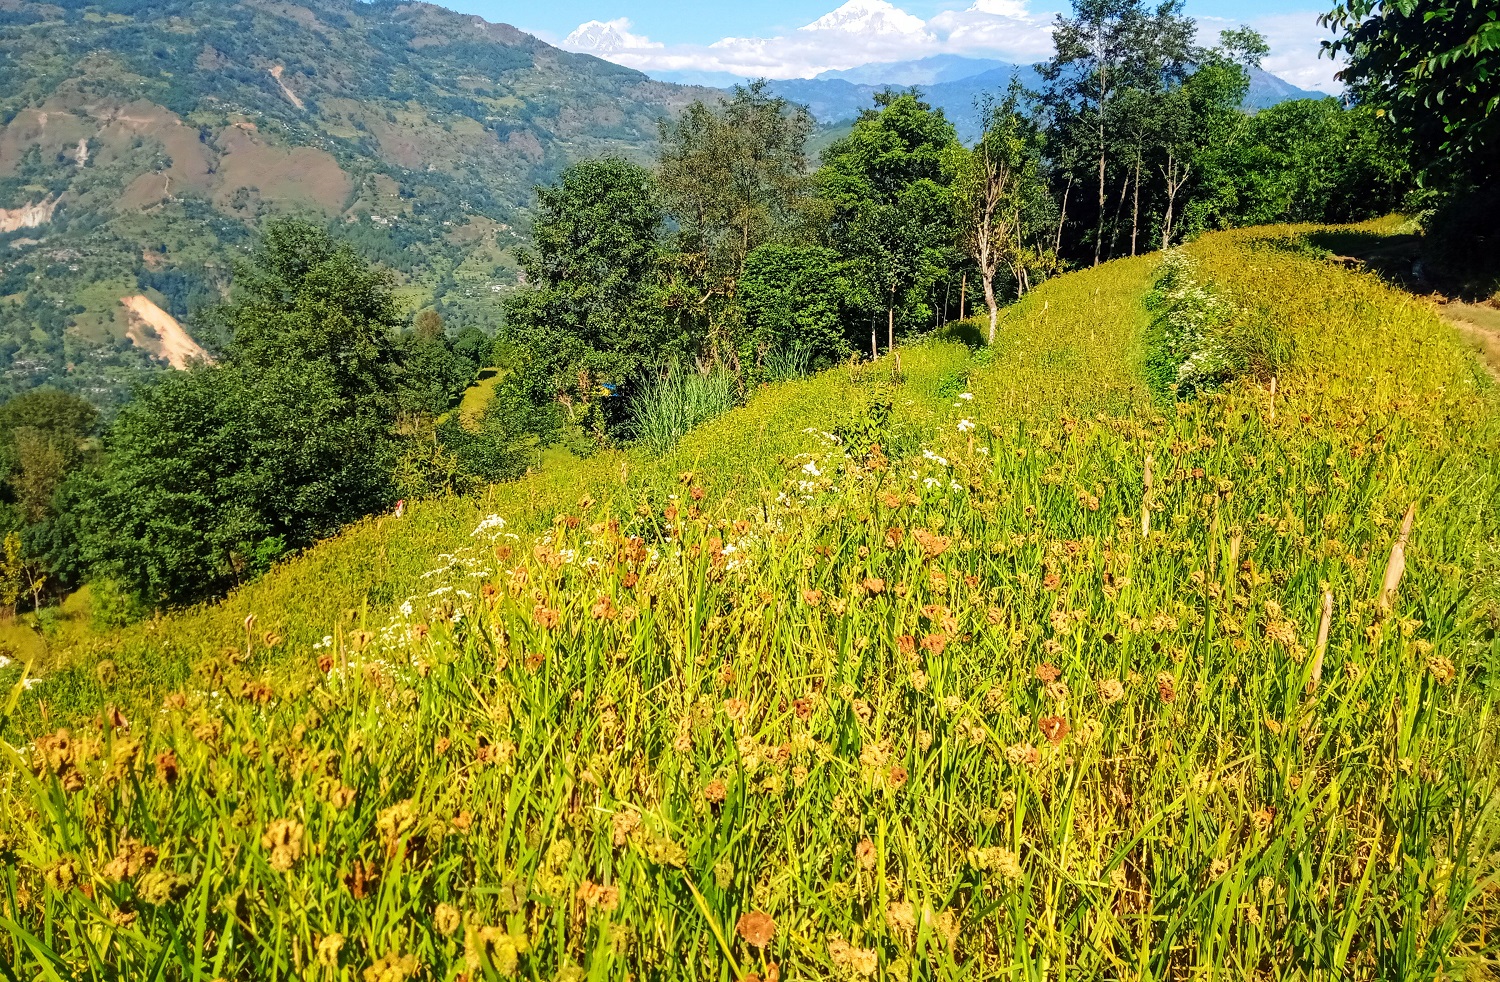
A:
143	141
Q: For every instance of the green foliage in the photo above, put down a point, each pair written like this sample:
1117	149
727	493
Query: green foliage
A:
795	298
1305	160
735	176
213	474
436	369
891	209
1434	66
783	364
44	435
866	427
46	442
592	311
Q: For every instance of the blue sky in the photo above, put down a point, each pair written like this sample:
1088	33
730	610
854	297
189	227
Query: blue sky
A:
772	37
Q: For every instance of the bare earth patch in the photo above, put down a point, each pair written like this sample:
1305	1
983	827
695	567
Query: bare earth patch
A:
1480	324
158	332
292	96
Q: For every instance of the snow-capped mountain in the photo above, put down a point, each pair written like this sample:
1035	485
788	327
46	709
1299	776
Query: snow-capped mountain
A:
871	18
606	37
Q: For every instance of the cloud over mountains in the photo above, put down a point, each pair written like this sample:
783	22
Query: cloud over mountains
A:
862	32
857	33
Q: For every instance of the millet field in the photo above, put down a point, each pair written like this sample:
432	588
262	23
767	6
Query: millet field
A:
1035	662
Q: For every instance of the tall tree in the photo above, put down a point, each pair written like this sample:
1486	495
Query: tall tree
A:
1197	122
593	309
995	190
212	474
1105	48
890	206
735	177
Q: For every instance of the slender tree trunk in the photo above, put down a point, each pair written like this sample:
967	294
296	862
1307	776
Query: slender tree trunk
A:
990	304
1062	215
963	294
1114	235
1177	175
1135	215
890	326
1166	222
874	351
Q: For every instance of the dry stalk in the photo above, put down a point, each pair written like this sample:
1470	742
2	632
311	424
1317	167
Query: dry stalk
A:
1146	502
1323	624
1396	565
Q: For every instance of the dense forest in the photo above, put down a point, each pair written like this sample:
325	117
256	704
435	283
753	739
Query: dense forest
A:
655	296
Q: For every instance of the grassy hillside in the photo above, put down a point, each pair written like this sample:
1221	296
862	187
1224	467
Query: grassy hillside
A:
142	142
985	702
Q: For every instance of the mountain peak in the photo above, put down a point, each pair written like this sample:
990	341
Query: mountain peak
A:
603	37
870	17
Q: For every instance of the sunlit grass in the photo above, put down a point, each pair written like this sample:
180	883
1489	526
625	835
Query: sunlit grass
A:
974	705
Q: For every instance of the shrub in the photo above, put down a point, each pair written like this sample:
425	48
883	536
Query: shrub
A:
1188	350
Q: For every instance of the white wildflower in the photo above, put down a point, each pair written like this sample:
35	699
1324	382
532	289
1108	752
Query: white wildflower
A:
966	396
494	522
965	425
811	467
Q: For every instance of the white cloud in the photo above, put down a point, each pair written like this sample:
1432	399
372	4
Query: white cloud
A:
997	29
1295	41
862	32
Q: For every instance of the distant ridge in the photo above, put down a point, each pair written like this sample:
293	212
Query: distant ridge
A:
950	82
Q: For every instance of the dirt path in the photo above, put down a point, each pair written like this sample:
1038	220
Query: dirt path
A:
158	332
1480	325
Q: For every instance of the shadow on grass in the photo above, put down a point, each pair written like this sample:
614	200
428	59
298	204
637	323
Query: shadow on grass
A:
1407	260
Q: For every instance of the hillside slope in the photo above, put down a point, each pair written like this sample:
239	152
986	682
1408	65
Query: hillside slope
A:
142	142
989	701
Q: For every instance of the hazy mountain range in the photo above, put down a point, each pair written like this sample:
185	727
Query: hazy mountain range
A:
951	82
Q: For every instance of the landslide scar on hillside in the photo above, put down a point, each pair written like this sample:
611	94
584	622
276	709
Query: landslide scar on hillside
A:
158	332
